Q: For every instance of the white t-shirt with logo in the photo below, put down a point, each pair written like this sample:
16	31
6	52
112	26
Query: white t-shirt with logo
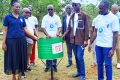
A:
51	24
106	25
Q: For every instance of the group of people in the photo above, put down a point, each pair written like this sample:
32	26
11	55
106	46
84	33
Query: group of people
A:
19	38
21	32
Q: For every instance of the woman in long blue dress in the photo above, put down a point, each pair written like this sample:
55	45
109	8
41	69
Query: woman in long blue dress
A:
14	43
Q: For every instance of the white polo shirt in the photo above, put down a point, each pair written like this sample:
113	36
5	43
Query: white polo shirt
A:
106	25
34	20
51	24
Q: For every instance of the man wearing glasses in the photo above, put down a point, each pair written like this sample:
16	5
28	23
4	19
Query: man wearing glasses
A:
51	26
79	33
35	23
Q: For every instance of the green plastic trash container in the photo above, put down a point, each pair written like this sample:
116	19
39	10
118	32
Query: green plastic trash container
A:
50	48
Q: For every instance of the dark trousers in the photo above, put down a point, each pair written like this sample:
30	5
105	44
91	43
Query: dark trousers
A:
48	63
79	57
102	55
69	52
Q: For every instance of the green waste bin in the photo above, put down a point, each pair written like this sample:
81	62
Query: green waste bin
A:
50	48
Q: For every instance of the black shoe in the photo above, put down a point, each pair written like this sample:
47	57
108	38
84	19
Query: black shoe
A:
23	75
68	65
46	69
55	69
76	75
29	69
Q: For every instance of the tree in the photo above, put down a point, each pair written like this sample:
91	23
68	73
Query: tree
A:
4	8
40	7
91	10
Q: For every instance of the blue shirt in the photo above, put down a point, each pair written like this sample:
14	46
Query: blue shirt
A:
118	15
15	26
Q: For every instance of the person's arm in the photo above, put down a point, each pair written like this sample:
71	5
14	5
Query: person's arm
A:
36	31
59	31
87	25
115	29
92	38
4	47
115	38
66	32
94	35
28	34
45	32
59	27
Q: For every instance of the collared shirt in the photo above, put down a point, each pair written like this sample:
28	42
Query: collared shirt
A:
75	23
34	20
15	26
68	19
51	24
106	25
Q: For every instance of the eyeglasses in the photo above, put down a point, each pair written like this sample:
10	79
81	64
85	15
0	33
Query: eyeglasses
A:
50	9
74	4
27	12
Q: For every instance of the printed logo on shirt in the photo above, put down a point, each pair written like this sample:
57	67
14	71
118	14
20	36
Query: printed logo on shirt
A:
51	26
100	30
21	19
108	26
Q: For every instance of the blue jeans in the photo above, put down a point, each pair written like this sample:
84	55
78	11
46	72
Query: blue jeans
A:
69	52
102	55
79	57
48	64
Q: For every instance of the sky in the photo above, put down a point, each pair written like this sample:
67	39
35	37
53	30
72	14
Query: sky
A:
95	2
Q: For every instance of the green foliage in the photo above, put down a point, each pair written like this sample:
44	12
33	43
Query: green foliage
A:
90	10
40	6
4	8
114	1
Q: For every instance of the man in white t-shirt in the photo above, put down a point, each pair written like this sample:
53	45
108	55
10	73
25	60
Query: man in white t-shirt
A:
35	23
51	26
106	34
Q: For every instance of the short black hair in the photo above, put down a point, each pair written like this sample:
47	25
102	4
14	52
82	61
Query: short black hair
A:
105	3
13	2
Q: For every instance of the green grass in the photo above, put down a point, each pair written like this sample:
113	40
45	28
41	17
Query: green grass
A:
63	73
1	25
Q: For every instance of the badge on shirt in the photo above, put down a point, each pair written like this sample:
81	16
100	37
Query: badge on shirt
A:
21	19
107	25
80	24
100	30
51	26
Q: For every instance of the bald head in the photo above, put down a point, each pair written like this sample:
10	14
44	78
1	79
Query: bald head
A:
26	12
50	6
114	8
68	9
50	9
25	9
